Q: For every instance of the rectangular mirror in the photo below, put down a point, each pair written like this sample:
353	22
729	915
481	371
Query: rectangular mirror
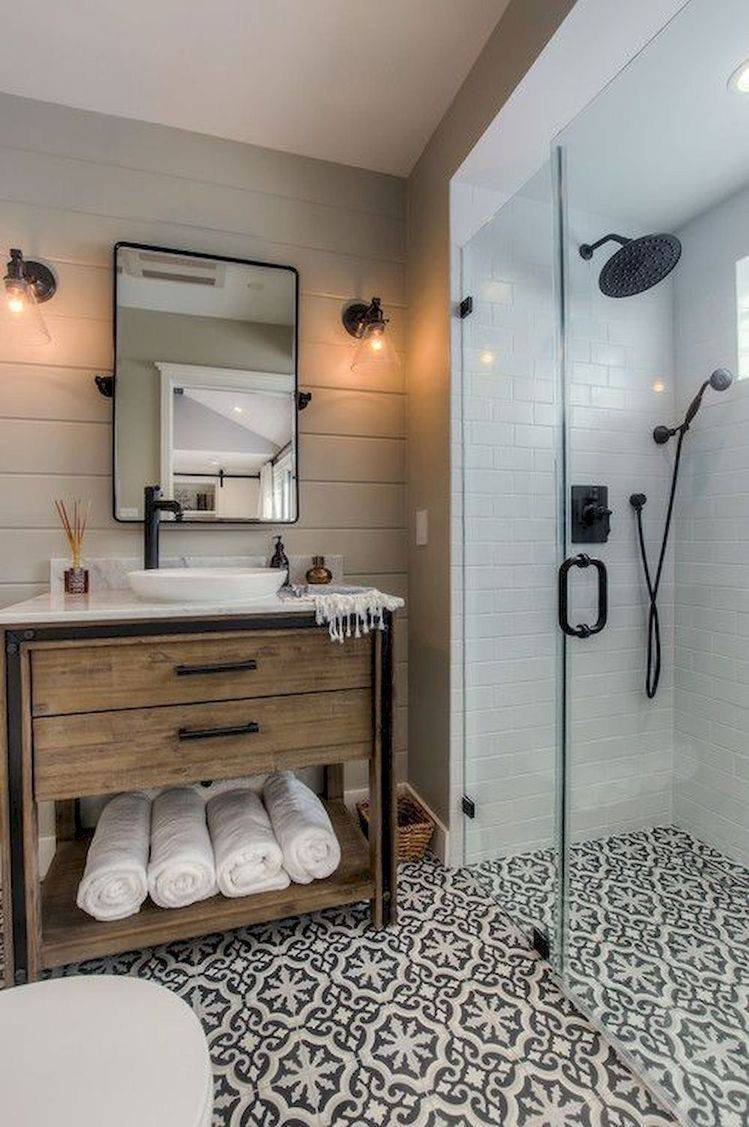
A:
205	389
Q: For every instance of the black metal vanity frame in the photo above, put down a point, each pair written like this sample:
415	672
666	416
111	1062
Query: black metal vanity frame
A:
16	637
298	402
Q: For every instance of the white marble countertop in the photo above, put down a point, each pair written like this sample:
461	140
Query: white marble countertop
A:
111	599
119	605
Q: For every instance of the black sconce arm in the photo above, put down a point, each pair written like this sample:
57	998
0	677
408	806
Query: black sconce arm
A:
105	385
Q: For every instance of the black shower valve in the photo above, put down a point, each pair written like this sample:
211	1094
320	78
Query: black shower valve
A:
591	515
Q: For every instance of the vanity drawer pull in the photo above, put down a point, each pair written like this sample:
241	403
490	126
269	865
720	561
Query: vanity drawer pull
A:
211	733
219	667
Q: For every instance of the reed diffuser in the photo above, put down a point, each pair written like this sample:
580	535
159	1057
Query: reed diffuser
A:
74	524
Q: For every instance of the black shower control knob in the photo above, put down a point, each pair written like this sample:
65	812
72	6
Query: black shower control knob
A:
592	513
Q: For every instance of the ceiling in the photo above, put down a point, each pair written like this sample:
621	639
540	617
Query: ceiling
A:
667	139
260	413
353	82
234	431
188	284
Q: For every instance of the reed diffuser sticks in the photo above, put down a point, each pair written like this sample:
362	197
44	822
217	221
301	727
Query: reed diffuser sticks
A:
74	523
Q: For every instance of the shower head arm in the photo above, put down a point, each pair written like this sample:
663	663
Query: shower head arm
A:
586	250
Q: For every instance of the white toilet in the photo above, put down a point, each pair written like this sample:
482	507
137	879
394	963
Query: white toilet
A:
102	1051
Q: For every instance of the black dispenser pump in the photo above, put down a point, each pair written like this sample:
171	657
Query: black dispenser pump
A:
279	558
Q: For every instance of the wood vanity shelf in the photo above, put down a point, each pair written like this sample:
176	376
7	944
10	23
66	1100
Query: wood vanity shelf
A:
96	707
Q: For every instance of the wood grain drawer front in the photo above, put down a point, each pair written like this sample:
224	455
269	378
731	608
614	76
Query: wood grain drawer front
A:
105	752
138	674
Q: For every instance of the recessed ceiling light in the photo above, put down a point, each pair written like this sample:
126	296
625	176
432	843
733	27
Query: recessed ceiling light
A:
239	410
739	80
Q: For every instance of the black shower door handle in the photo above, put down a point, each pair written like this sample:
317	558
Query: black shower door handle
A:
583	631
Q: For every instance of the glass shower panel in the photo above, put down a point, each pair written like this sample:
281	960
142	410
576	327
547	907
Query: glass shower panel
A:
511	467
657	792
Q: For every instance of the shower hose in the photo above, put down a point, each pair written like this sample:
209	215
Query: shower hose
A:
653	671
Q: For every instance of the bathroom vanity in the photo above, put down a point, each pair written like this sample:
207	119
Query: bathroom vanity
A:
109	693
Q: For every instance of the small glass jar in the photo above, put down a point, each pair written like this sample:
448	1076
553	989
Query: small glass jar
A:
76	580
319	574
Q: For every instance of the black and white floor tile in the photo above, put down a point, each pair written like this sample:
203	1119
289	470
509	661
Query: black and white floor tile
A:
448	1019
659	949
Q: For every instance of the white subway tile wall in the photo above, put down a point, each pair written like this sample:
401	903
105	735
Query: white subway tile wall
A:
711	713
509	529
620	384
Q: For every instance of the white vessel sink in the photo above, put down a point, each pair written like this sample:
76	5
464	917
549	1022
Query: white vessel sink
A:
207	584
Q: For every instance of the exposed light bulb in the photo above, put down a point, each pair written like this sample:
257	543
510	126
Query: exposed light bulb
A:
26	284
374	343
659	387
239	410
487	357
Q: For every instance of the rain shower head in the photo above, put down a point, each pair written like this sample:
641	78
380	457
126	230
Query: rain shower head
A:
637	265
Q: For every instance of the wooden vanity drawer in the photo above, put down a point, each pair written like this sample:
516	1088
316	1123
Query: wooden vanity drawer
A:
105	752
139	673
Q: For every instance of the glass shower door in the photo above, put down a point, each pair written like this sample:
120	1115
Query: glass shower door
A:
512	491
609	816
657	780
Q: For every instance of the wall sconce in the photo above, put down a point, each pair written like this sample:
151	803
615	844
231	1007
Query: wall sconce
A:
368	324
27	285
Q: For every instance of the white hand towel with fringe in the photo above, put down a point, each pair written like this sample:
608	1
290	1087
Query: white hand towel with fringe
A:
302	827
114	883
248	857
348	611
181	870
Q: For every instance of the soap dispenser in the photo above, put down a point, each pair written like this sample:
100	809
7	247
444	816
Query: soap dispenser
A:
279	558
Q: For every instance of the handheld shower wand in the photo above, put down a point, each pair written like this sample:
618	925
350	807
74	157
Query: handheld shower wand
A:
719	380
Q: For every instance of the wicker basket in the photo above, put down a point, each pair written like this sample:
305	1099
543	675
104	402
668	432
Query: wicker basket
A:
415	827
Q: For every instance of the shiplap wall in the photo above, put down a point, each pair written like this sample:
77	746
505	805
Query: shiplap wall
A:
71	185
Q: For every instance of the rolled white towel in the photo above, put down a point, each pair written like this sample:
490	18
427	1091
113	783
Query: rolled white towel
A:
181	870
114	883
302	827
248	857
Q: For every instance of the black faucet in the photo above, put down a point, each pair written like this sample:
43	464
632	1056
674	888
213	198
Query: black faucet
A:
153	506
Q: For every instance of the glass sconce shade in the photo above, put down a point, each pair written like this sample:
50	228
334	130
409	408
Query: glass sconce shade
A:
26	285
375	346
374	343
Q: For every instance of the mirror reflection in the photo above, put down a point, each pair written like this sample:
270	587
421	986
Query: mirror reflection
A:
205	391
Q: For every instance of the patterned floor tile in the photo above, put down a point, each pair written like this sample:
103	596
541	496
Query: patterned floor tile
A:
659	950
447	1019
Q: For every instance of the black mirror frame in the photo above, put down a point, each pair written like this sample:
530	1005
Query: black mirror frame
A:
298	396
